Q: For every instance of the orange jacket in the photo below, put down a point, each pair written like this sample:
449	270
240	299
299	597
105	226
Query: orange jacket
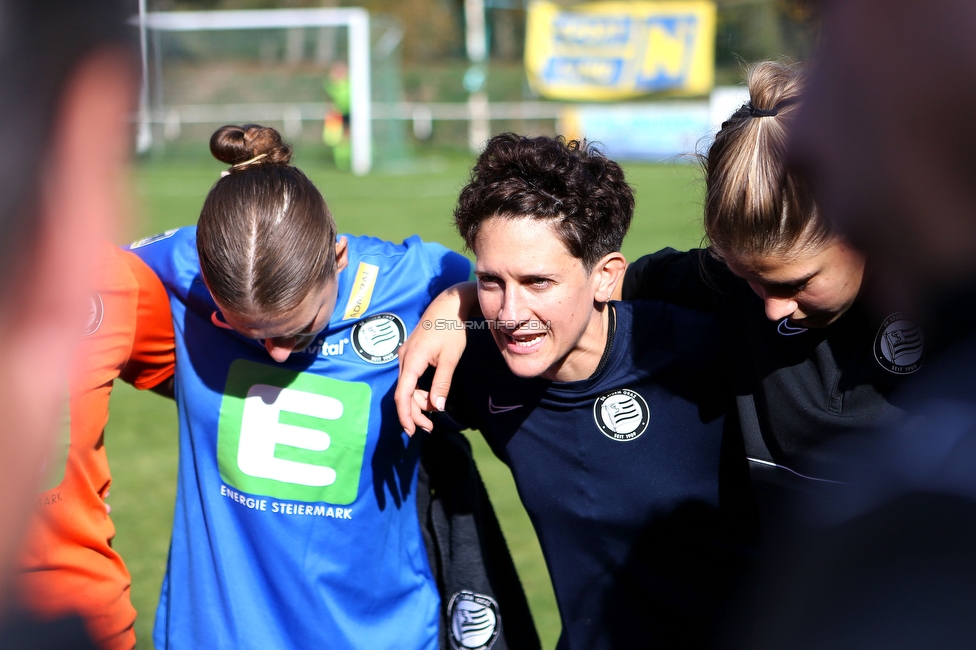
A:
68	562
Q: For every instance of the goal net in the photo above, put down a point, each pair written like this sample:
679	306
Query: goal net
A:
312	73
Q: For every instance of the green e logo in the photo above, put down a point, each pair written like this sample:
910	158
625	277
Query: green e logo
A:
292	435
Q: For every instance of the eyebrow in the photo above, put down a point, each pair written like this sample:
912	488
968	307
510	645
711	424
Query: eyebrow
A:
299	332
307	327
522	277
793	284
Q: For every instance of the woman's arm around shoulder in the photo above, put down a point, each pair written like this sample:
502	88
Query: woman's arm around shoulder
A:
438	341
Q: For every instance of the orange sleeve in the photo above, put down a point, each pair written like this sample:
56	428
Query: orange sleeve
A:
153	354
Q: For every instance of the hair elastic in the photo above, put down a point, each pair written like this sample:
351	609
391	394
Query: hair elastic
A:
241	165
762	112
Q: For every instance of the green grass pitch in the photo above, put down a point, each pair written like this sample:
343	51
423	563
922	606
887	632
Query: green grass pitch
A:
392	204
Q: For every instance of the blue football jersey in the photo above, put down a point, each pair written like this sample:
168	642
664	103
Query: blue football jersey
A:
296	522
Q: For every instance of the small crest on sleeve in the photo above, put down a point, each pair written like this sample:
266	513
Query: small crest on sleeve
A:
474	621
96	312
145	241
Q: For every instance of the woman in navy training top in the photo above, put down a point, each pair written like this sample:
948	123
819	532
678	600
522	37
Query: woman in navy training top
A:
608	414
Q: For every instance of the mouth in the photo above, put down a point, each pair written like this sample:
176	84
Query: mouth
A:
524	342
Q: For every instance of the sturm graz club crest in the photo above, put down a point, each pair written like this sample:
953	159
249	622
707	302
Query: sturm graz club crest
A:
621	414
96	311
378	338
899	346
474	621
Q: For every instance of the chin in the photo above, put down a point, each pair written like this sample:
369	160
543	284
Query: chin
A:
524	368
817	321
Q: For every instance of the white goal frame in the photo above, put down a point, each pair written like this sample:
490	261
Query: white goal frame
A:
356	19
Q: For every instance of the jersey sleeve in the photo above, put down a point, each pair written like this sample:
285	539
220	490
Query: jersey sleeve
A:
153	354
446	267
691	279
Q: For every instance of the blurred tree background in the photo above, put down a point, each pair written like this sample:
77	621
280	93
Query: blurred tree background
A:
424	63
748	30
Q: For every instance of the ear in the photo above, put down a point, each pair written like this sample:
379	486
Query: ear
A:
606	275
342	254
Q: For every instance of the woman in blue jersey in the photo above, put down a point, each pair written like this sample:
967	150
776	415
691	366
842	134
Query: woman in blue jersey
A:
809	360
608	414
296	521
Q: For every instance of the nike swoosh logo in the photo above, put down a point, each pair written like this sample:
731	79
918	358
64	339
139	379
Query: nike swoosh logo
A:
786	329
501	409
215	319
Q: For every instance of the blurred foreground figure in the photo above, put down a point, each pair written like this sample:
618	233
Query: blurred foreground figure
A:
67	85
887	136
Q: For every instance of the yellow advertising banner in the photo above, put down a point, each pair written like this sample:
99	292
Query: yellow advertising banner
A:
619	50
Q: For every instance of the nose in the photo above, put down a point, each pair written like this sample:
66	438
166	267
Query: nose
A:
511	306
280	349
779	308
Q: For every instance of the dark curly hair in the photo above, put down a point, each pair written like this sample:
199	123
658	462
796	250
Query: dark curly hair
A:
570	183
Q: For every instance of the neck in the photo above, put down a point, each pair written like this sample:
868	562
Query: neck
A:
584	359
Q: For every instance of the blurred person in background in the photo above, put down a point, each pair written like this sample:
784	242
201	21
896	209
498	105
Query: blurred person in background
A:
887	138
335	131
68	84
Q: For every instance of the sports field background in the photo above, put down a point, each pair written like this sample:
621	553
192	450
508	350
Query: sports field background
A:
416	198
